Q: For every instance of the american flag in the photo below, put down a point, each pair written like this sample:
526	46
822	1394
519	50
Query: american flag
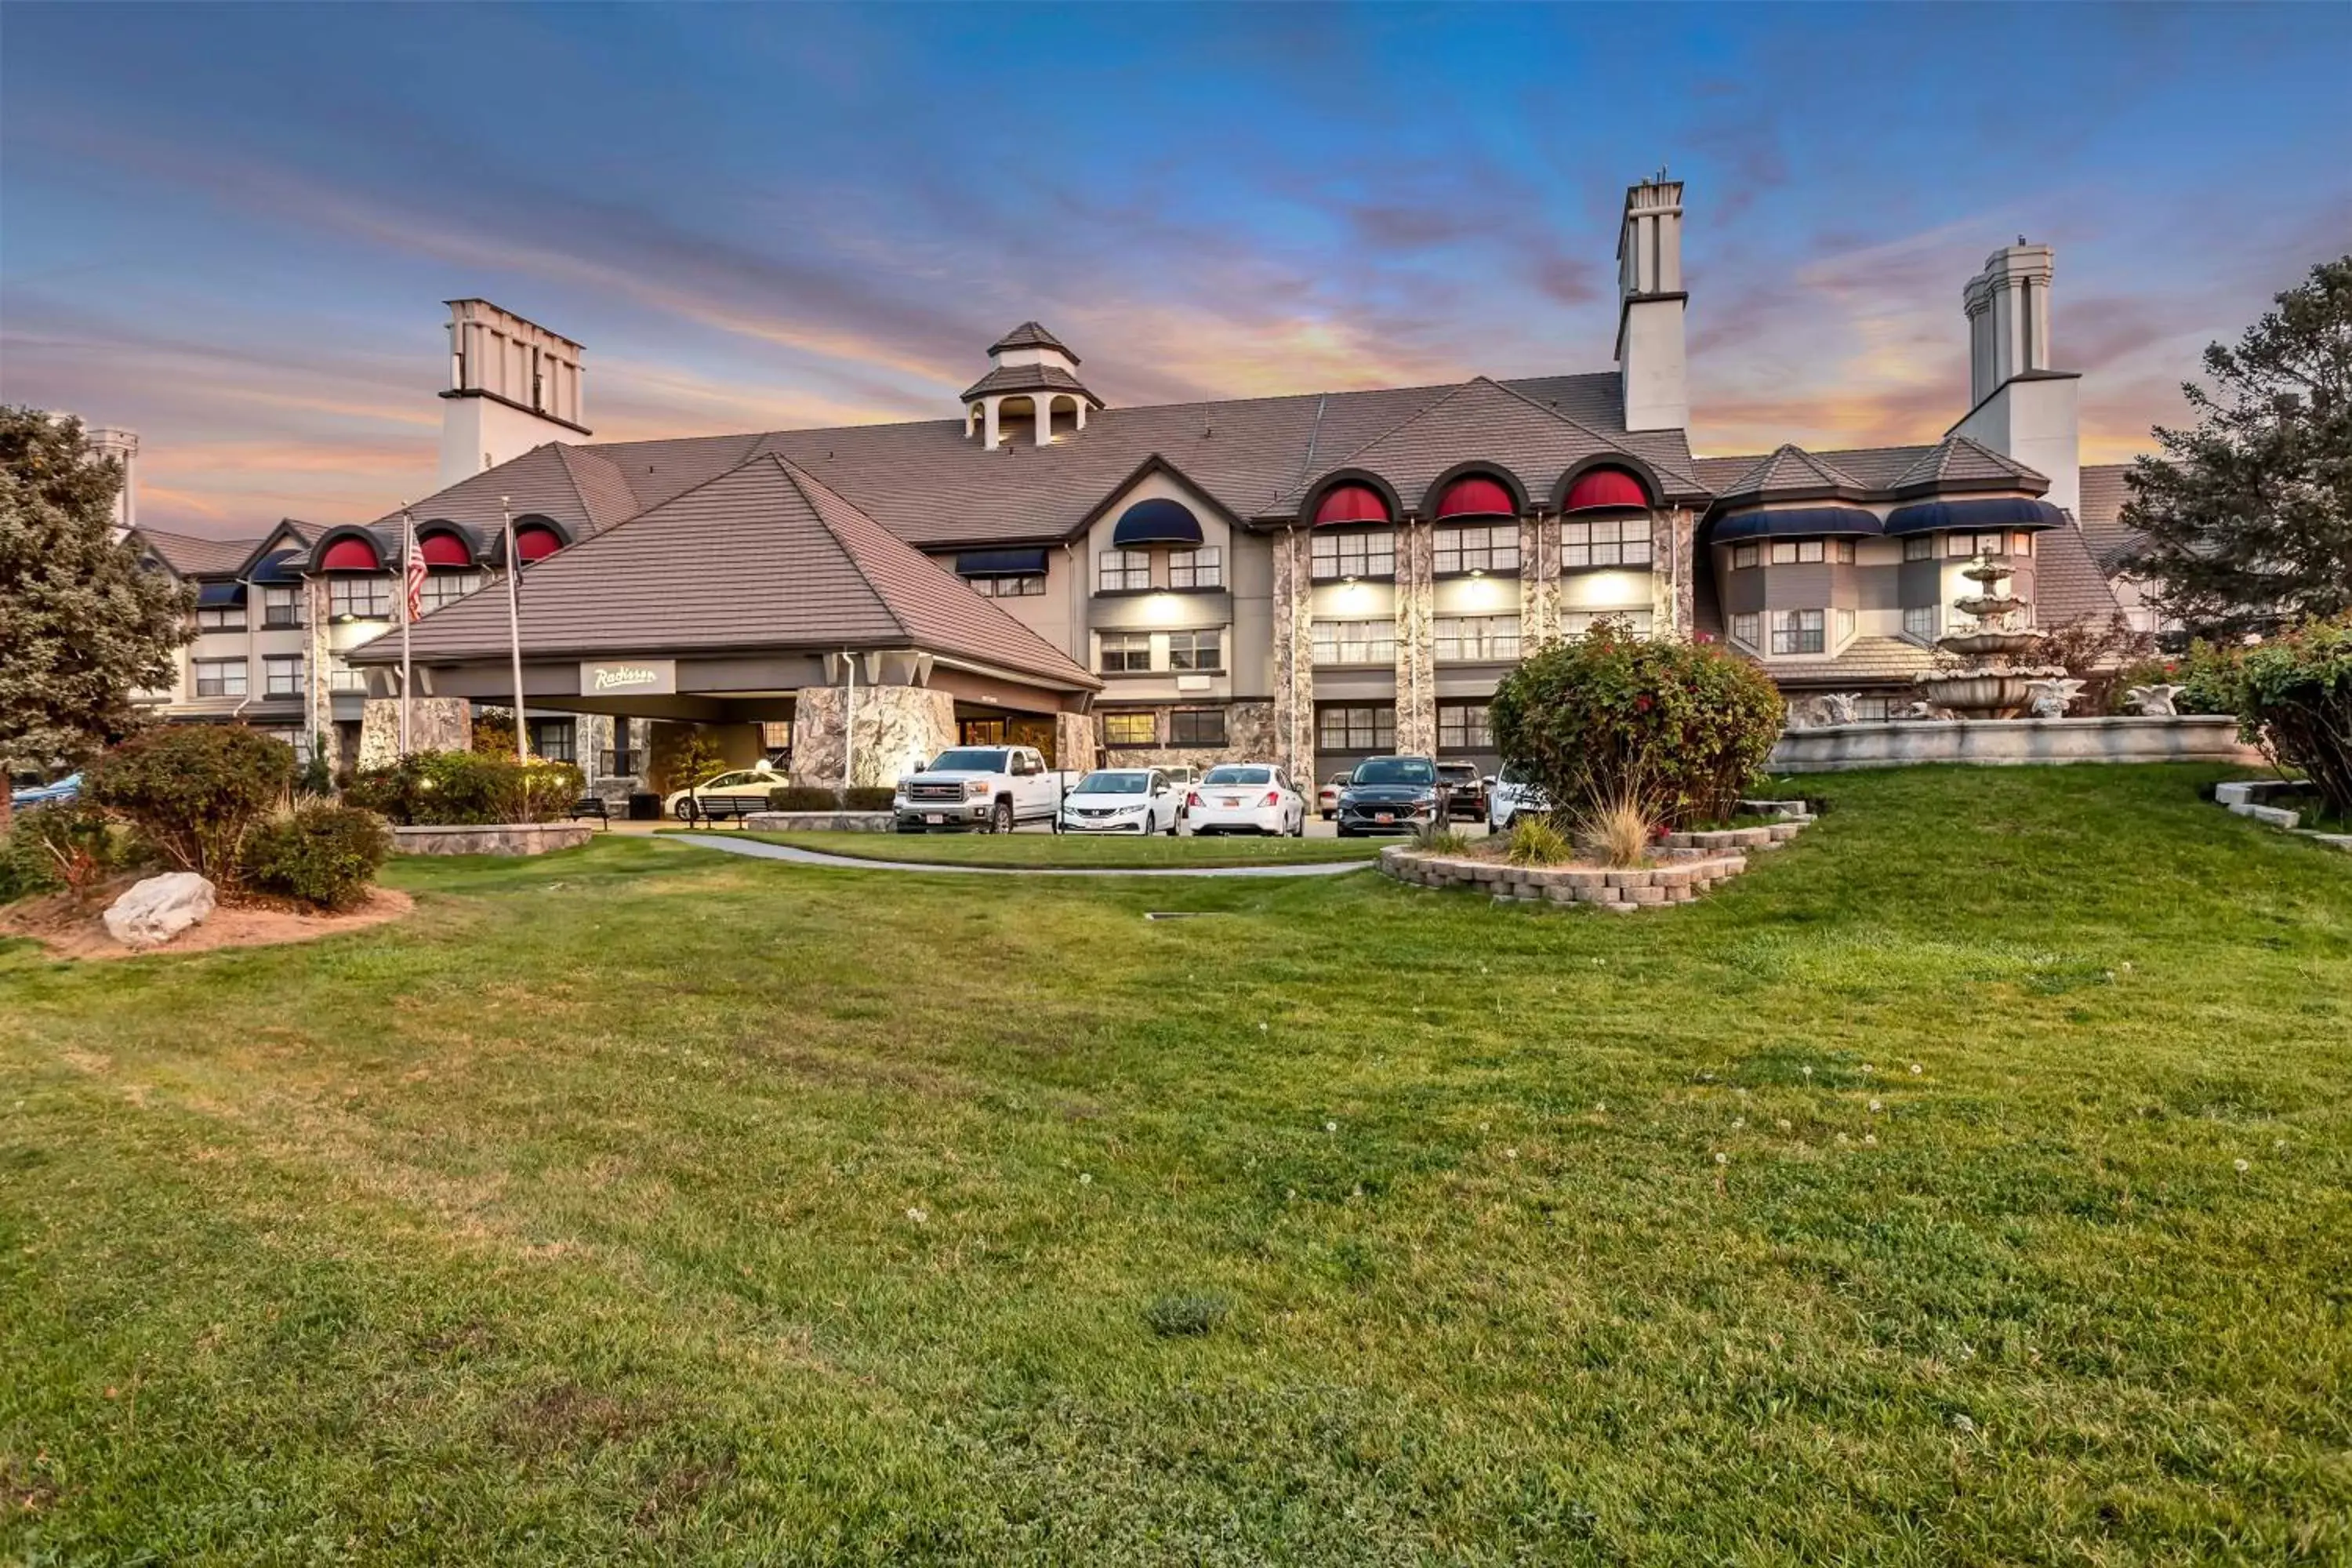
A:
416	570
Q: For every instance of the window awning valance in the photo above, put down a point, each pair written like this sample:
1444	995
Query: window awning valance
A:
1803	521
1001	563
280	567
219	595
1605	490
1990	512
1155	521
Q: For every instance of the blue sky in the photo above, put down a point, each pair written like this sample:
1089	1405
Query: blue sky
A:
231	228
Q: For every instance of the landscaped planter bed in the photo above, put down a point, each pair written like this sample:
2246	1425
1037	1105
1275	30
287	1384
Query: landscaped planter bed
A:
1690	863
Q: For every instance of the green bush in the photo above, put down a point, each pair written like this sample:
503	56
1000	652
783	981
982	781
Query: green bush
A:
193	790
1680	727
803	798
868	797
73	846
457	789
2293	697
1535	841
324	856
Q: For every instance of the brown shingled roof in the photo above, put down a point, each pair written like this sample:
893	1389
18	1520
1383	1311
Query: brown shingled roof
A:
1032	335
2068	585
2104	491
1959	462
1028	378
1790	470
191	556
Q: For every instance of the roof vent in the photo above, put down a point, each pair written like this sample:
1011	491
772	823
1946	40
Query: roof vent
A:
1033	381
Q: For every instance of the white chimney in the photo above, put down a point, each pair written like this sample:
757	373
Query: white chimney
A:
1651	370
2018	406
513	385
122	446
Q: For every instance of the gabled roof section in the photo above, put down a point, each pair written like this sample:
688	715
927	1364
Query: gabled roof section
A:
1028	378
1485	422
290	533
583	489
1958	462
761	557
189	555
1032	335
2106	487
2068	584
1792	473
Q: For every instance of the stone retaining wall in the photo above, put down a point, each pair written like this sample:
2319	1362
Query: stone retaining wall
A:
1693	862
2009	743
819	821
2248	798
492	839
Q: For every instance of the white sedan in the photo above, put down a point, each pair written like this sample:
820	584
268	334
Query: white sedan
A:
1245	797
726	795
1122	800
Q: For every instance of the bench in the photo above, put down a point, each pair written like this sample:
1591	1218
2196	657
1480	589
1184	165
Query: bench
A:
719	808
592	805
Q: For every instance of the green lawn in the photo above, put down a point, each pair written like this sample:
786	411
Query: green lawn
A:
1076	851
645	1203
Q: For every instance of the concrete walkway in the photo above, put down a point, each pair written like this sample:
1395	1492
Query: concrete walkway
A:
759	850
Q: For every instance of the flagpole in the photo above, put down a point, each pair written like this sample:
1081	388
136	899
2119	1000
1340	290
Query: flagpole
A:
407	612
514	629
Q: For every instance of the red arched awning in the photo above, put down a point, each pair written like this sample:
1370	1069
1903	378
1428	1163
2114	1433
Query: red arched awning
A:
1477	497
533	543
350	555
1351	503
1600	489
444	550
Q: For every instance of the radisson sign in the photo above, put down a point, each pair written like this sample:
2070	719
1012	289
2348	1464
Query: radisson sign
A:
632	677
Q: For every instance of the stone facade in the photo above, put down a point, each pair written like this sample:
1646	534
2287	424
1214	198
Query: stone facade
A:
1538	582
1416	640
1292	716
1673	584
900	728
821	821
434	724
1250	737
495	838
1074	742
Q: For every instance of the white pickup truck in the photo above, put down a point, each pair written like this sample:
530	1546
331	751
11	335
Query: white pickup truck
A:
993	788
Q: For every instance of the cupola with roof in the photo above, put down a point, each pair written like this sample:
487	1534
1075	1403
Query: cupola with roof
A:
1032	389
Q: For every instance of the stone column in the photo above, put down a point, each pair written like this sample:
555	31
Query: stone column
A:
1294	653
316	662
1074	742
1674	588
897	727
1538	582
1416	644
434	724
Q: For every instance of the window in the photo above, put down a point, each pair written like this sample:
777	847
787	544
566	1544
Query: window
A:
293	737
341	677
1919	547
1462	727
552	740
1196	650
1365	553
1124	571
1793	551
1489	547
1744	630
1614	541
446	588
1027	586
1196	727
220	677
1744	555
1576	623
1125	652
1477	636
1796	631
1130	730
2020	545
1962	545
1355	642
281	675
1842	552
1362	727
362	598
282	606
221	618
1196	568
1844	628
775	739
1922	621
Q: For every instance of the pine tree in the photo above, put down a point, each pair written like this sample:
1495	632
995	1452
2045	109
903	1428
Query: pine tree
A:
81	624
2248	518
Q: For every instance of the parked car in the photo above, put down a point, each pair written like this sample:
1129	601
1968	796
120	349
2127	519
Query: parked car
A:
993	788
65	790
1508	794
1327	799
1391	794
1465	790
1123	800
1182	776
1245	797
729	794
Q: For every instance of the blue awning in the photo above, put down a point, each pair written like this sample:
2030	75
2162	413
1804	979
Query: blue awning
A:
1001	563
1155	521
280	566
1805	521
1992	512
219	595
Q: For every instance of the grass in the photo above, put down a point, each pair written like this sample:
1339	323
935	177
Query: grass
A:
648	1204
1079	851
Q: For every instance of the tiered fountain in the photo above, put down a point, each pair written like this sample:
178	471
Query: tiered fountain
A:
1984	684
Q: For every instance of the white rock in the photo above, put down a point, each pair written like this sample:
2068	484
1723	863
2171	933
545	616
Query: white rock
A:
159	909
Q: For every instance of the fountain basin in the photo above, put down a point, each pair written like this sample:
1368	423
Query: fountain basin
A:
1984	691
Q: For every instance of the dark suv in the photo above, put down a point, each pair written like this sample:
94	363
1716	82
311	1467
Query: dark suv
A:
1465	790
1391	794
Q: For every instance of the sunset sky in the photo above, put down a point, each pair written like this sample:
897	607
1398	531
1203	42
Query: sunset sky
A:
231	229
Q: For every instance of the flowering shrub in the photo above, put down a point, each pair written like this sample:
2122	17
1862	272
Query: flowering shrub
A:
1679	728
2293	697
456	789
193	790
